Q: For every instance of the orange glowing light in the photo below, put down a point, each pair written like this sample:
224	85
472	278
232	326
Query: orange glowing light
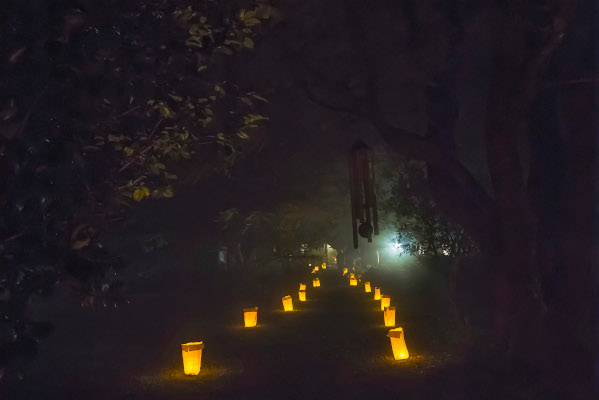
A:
398	344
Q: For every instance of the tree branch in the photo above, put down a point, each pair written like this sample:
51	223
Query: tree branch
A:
456	180
325	104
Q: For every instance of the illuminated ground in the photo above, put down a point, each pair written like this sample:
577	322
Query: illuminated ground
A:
333	346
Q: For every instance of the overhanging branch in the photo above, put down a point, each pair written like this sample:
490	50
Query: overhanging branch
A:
313	97
404	142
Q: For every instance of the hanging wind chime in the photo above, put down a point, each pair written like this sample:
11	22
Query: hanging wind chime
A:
363	196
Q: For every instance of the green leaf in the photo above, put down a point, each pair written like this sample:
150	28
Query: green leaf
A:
251	118
231	41
176	98
146	191
79	244
168	193
224	50
219	89
165	111
258	97
138	194
243	135
251	21
128	150
248	43
202	68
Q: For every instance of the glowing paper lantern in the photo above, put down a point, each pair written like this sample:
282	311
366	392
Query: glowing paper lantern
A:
250	317
192	357
316	282
302	295
385	302
367	287
324	265
398	344
315	268
287	303
309	265
302	286
377	293
389	315
353	282
344	271
352	275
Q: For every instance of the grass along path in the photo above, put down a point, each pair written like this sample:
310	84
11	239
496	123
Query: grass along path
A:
332	346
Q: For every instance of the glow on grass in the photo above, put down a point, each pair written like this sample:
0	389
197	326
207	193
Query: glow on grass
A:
172	376
192	357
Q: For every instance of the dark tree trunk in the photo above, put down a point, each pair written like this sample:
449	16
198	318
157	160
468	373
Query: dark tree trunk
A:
564	192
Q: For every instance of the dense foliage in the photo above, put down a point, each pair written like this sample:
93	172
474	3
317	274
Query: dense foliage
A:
421	227
101	104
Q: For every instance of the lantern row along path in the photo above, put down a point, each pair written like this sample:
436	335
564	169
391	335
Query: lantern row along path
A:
327	347
333	346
